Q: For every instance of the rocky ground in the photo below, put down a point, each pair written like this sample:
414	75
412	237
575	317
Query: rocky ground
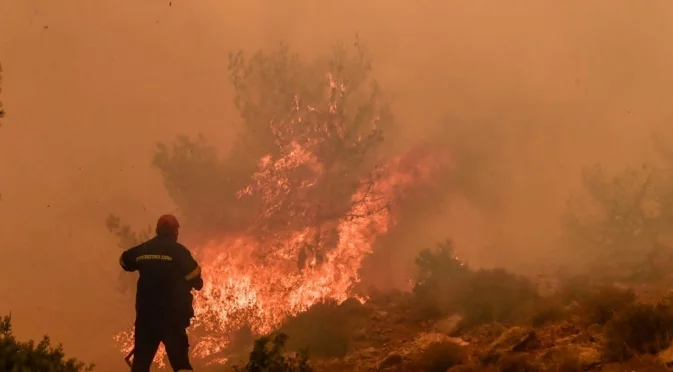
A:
390	340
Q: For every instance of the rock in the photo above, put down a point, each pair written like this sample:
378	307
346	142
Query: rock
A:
595	332
585	357
380	338
390	361
467	368
573	306
399	319
360	334
666	301
488	332
449	325
666	356
588	356
458	341
575	319
512	340
407	351
379	315
368	352
335	365
424	340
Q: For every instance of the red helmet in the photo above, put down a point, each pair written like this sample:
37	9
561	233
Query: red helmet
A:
167	225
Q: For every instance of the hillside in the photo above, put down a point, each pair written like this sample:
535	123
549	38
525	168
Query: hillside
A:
460	319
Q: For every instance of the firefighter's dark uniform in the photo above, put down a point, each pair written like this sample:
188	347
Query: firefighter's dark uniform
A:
164	309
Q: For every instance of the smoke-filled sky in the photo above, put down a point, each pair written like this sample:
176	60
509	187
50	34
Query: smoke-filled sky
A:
91	86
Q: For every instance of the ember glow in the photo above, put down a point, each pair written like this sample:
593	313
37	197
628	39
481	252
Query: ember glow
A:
261	277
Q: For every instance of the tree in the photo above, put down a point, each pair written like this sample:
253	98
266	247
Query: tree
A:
313	126
126	238
299	125
622	217
19	356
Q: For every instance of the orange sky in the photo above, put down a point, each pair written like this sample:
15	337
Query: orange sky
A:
91	86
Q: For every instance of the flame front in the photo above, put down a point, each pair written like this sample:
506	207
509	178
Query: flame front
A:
259	278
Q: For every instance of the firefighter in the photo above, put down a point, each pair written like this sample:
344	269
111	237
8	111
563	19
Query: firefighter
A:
168	273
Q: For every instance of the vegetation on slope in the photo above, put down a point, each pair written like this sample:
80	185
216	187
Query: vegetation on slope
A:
22	356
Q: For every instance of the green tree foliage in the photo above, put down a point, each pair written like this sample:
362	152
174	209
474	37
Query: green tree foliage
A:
19	356
268	355
622	217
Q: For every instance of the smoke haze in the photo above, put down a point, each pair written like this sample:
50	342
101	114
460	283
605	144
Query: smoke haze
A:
540	88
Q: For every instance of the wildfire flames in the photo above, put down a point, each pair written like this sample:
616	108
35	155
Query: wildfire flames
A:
258	279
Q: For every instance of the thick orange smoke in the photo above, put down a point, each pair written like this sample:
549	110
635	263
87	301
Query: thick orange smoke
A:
259	278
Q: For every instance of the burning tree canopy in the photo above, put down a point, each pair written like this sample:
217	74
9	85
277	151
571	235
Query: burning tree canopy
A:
306	122
289	214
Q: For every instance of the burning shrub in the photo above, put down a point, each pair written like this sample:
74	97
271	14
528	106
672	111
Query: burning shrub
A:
310	133
440	356
637	328
268	355
27	356
326	329
605	301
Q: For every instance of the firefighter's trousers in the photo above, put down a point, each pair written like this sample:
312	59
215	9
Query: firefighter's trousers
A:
149	333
